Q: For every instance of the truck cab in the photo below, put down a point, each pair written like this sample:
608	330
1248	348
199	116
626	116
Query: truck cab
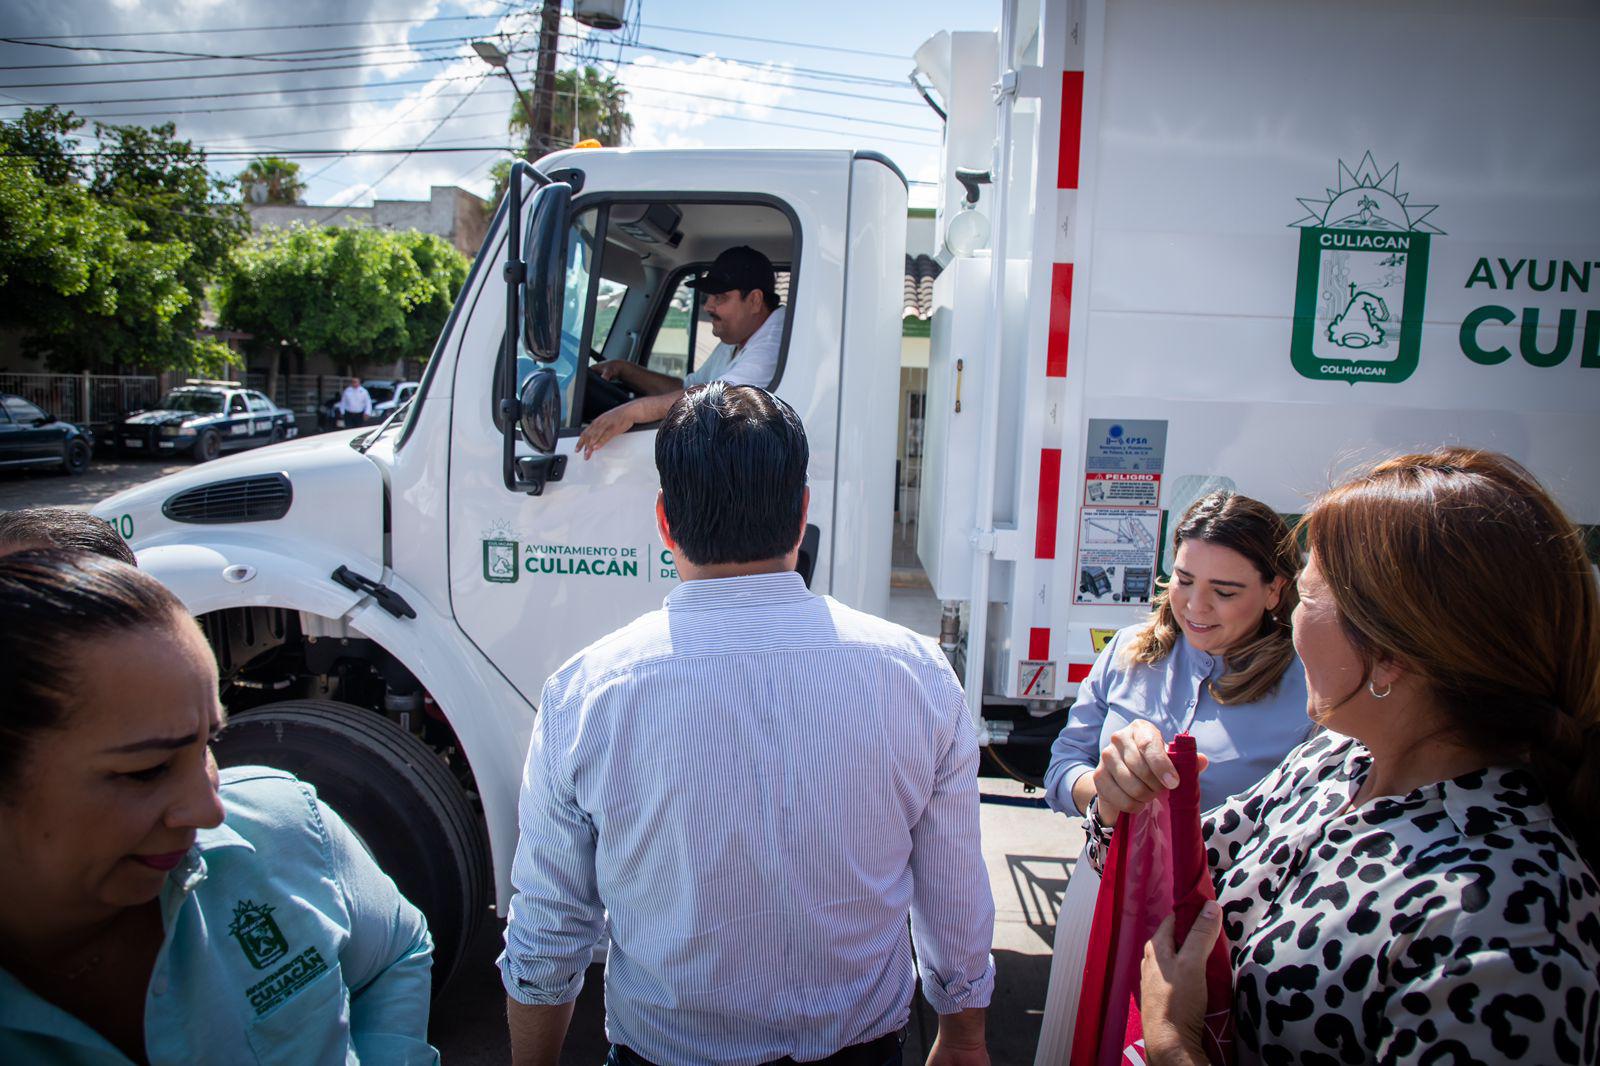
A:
386	604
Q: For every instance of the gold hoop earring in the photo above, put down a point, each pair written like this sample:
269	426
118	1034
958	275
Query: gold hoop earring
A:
1373	688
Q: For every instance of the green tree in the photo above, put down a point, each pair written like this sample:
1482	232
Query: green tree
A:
602	111
357	294
271	179
105	256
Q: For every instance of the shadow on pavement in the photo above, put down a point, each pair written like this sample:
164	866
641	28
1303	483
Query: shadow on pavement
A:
1041	882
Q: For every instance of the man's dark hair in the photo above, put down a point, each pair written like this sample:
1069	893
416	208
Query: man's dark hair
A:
732	460
64	528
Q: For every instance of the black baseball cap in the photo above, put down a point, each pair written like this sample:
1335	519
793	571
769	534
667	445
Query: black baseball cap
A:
742	268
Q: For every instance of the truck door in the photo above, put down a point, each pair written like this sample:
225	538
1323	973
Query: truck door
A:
533	579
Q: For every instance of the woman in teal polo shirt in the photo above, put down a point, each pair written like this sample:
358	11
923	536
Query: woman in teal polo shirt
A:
155	910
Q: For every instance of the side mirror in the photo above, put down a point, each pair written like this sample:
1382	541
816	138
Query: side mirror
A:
541	409
534	291
544	289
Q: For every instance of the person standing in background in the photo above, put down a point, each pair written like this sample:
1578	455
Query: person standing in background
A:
355	404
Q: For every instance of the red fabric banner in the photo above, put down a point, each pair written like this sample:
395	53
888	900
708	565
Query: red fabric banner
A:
1156	866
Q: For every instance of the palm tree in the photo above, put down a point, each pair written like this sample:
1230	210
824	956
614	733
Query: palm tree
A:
601	112
271	179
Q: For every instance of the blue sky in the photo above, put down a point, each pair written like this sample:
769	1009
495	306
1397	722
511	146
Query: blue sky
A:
405	75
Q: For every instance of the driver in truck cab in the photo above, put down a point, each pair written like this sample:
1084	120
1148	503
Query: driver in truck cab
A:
741	300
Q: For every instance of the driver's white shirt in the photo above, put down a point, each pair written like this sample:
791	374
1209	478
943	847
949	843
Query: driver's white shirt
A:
754	363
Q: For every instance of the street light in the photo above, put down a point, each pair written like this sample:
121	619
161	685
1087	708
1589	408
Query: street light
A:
492	54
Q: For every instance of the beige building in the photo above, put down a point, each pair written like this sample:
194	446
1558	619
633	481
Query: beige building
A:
453	213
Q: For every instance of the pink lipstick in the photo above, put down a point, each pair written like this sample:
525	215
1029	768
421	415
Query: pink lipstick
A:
164	862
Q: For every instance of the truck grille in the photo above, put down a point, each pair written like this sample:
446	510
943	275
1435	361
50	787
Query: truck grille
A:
263	498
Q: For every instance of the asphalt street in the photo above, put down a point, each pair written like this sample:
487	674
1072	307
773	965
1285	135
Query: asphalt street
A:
106	476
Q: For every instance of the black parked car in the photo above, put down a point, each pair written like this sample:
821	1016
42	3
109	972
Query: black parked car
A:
205	418
30	437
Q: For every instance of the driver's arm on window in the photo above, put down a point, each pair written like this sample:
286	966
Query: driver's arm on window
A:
649	382
623	418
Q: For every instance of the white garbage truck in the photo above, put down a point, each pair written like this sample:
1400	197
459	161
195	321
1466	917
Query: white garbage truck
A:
1188	246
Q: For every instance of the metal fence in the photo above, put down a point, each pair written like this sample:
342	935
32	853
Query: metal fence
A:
101	399
89	399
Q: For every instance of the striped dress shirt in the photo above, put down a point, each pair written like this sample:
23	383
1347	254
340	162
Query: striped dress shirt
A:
749	790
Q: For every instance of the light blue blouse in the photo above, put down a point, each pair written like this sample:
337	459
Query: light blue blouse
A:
1243	741
285	943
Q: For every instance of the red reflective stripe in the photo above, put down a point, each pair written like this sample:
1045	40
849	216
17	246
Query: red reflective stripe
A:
1055	363
1077	672
1038	643
1071	129
1044	546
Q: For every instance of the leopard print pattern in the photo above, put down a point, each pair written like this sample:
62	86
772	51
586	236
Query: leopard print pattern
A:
1456	924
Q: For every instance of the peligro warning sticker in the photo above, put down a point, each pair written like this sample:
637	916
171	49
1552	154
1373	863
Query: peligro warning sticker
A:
1119	525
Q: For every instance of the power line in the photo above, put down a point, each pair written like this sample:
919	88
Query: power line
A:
290	55
440	18
372	186
247	153
249	92
299	105
428	81
831	75
639	101
414	61
173	56
773	40
258	29
341	67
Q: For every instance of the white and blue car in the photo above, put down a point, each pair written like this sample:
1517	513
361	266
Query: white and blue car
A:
205	419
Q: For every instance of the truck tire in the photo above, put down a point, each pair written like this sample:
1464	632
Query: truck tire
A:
208	447
395	793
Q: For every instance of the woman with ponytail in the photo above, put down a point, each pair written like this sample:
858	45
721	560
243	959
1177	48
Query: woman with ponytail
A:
1213	659
1417	883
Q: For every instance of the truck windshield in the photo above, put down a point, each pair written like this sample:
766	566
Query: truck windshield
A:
201	403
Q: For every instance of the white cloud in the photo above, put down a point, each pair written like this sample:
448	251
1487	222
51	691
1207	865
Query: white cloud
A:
671	99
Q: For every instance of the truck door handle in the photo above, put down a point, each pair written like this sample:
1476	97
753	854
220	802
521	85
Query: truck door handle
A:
387	598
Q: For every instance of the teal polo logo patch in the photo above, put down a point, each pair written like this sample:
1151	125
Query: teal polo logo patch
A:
258	935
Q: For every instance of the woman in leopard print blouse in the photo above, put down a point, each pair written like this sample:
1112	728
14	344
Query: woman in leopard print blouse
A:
1416	884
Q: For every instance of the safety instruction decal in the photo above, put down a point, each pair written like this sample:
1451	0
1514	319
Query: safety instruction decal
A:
1119	525
1100	638
1117	554
1036	678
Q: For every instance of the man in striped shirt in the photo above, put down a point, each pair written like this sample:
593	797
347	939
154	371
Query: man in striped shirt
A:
749	790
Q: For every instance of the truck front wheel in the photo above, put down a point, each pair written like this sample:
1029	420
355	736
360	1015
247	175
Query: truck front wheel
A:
396	794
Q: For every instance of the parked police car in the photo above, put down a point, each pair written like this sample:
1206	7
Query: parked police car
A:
205	418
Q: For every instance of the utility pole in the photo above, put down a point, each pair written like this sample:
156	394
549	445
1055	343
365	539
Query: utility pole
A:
541	124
